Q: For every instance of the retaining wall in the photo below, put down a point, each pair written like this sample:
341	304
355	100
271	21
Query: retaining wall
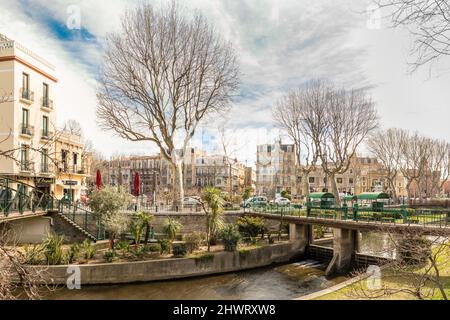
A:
165	269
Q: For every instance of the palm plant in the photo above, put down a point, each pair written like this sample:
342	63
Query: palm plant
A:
171	228
212	203
145	218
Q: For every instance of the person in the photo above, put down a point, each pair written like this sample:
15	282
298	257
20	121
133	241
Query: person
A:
152	232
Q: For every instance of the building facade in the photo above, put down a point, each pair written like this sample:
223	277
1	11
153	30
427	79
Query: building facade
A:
27	117
72	166
276	169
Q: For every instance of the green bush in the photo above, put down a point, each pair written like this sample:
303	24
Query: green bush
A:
179	249
251	226
194	240
53	250
319	232
89	249
139	252
109	255
230	236
171	228
73	253
166	245
154	247
123	246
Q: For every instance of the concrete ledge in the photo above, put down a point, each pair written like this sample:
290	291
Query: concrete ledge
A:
155	270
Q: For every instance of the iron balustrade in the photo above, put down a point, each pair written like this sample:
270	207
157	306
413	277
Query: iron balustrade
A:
403	215
27	94
47	103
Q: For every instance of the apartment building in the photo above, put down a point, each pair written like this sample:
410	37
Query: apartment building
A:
276	169
27	117
72	166
221	172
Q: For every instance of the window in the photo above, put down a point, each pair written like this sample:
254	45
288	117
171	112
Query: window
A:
44	164
26	86
350	180
311	180
24	158
339	180
25	118
45	126
75	159
45	101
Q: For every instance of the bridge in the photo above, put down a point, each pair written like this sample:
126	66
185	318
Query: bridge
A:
347	223
36	213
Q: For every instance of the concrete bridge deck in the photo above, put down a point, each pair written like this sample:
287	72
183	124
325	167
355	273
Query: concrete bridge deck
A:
18	216
360	225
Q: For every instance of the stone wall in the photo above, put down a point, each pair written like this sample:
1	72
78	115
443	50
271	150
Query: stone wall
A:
155	270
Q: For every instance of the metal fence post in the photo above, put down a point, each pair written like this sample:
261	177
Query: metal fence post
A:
404	213
345	209
355	212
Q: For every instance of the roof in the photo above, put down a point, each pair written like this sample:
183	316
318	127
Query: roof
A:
373	196
349	198
321	195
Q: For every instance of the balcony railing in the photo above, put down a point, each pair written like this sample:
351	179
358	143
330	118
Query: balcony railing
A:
26	166
47	168
76	169
47	103
47	135
26	130
27	95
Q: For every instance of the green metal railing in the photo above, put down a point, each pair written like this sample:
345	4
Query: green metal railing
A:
403	215
14	201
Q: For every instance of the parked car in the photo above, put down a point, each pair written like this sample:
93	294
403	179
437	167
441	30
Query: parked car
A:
254	201
191	201
282	201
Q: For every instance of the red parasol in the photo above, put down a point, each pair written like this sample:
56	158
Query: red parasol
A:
98	180
137	183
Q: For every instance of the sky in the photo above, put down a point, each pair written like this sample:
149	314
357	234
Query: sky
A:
281	44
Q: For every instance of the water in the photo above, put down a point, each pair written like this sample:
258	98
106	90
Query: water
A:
271	283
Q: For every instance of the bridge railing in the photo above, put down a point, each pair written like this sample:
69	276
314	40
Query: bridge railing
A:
82	217
425	217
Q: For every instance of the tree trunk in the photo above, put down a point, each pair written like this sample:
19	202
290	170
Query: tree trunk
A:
179	185
111	241
305	190
147	232
335	190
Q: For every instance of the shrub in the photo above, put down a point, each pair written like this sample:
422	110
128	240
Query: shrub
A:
165	245
414	251
139	252
73	253
251	226
52	248
171	228
88	249
109	255
194	240
33	254
230	236
154	247
179	249
319	232
123	246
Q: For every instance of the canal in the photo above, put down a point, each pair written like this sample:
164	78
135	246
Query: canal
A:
272	283
282	282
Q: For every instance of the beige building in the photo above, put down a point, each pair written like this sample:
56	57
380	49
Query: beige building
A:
276	169
27	118
72	166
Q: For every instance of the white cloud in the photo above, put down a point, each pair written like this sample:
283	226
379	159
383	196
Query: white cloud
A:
281	44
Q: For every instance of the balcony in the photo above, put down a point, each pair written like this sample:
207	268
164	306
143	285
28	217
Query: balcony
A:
26	166
47	135
74	169
47	168
26	96
47	104
26	130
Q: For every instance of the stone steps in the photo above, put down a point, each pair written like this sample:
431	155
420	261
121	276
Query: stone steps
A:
76	226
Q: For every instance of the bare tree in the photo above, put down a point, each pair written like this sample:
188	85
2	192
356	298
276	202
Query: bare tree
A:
415	153
350	117
301	113
428	21
73	127
162	75
387	146
418	270
439	165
